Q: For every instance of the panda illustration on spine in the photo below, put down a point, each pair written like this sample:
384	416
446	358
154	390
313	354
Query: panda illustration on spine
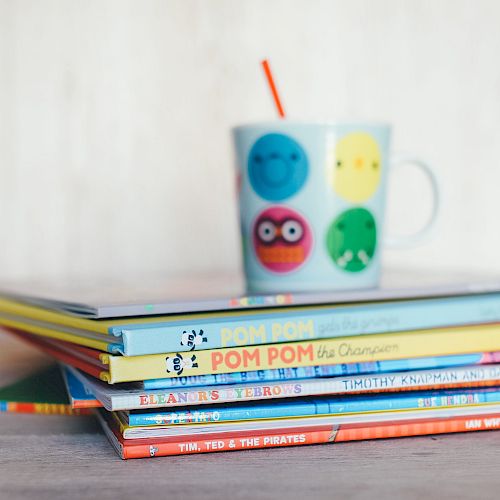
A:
177	363
192	339
152	450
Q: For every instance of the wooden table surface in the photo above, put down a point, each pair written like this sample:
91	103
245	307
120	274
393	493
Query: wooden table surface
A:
52	457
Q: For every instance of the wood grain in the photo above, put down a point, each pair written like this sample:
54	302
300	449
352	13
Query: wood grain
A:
52	457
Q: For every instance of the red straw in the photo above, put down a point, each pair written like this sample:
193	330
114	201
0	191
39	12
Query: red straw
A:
272	86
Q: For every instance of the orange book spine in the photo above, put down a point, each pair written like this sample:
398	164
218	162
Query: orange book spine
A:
86	406
417	428
225	444
298	437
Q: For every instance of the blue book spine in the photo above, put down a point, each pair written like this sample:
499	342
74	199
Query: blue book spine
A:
318	371
324	406
218	331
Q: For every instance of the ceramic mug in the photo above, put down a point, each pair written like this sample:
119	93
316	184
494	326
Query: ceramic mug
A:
312	202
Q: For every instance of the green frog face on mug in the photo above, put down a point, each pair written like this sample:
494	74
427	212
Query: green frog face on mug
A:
351	239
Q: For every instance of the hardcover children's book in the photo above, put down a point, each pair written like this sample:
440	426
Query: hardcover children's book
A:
308	372
130	397
228	328
40	392
294	435
359	349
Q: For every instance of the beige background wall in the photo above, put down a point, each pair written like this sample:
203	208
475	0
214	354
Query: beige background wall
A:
114	115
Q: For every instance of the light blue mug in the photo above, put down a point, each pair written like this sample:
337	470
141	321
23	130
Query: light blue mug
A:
312	199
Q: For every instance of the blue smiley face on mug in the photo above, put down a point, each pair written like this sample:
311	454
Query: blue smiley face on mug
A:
277	167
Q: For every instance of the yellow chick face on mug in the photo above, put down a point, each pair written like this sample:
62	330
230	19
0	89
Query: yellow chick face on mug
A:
356	167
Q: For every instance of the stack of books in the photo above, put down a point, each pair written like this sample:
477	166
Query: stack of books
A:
257	372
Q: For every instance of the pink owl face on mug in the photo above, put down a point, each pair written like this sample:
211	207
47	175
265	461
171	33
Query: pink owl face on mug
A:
282	239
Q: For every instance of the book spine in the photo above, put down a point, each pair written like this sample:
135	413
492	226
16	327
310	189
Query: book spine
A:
226	444
228	414
324	371
326	406
41	408
84	404
359	349
472	376
334	434
216	331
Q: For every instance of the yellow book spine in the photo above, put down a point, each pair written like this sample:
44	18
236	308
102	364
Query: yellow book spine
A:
359	349
54	334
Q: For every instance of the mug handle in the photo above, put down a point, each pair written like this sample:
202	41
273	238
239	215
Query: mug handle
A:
419	237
